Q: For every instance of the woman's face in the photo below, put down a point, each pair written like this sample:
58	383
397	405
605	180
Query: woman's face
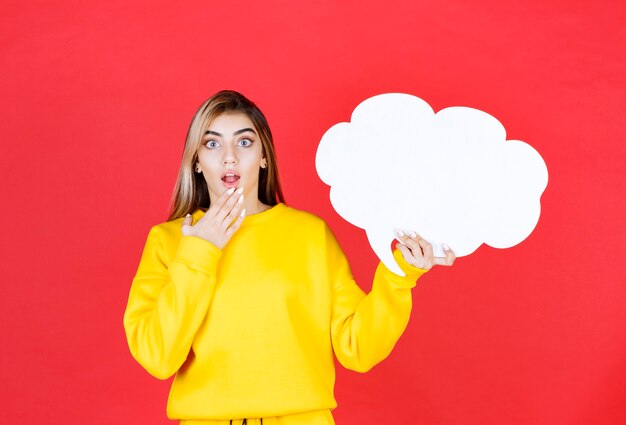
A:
230	155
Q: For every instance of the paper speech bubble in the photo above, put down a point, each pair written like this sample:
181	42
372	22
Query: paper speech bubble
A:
450	176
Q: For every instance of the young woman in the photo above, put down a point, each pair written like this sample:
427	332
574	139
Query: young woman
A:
244	299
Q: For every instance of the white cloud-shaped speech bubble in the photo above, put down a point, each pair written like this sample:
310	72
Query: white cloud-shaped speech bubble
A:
451	176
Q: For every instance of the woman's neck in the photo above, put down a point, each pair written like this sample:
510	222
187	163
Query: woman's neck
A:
255	206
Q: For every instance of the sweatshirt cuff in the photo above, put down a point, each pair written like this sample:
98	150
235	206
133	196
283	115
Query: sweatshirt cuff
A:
198	254
412	273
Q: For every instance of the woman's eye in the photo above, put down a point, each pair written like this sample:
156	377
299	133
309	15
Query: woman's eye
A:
212	144
245	143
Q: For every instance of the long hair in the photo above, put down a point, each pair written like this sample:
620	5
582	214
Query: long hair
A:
191	191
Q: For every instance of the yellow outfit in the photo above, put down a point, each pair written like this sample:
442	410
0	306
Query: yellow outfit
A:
250	330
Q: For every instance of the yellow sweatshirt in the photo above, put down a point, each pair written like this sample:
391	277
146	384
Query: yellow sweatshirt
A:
250	330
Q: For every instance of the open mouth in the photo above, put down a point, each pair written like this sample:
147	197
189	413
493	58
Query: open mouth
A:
230	178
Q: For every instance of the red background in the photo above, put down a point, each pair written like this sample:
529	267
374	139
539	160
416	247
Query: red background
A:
96	99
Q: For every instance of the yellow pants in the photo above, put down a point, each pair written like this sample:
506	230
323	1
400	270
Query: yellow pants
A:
318	417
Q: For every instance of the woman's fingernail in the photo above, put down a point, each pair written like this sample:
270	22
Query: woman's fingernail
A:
243	212
445	247
230	191
240	201
400	233
413	234
240	190
188	215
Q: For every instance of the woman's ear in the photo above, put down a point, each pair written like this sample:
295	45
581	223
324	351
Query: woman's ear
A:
198	169
263	163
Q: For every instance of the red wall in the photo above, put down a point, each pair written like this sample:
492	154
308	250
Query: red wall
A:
96	99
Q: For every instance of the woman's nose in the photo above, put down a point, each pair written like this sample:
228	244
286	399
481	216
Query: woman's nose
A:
230	157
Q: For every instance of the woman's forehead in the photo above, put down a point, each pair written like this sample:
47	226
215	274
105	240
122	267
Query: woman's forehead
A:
228	123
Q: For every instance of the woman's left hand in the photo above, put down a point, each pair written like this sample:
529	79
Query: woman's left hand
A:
418	252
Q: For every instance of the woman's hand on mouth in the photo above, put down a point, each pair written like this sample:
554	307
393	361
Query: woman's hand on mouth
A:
221	221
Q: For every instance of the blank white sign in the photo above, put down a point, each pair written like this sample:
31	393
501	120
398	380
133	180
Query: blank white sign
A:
452	176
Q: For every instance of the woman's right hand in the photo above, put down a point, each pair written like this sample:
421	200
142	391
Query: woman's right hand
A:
221	221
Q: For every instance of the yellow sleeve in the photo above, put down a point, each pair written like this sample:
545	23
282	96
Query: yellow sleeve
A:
169	299
365	328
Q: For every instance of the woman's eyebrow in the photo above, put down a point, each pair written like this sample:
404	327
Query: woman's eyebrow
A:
243	130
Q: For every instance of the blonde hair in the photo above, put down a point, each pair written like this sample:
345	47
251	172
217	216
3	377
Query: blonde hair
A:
191	192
